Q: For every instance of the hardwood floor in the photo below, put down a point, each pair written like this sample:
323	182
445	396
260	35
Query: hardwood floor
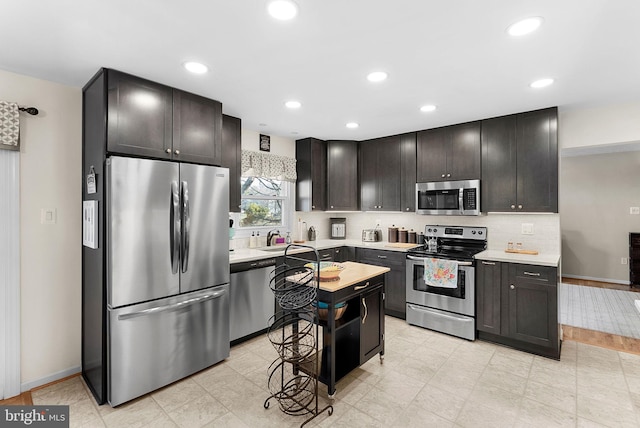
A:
600	284
23	399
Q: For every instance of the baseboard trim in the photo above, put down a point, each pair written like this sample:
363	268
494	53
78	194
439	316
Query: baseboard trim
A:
591	278
28	386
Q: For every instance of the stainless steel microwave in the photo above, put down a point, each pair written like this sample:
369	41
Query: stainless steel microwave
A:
448	198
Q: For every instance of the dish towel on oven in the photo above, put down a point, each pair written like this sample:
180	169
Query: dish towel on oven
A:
441	273
9	124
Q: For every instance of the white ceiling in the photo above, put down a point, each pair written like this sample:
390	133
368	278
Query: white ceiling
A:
455	54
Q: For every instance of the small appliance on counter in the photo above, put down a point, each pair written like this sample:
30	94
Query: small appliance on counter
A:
371	235
338	227
312	233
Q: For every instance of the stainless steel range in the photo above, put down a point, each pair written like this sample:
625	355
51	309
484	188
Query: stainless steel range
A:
441	279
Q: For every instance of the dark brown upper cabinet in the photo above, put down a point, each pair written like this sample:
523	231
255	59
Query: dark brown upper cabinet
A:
408	172
342	176
197	129
311	169
232	158
520	162
148	119
380	174
449	153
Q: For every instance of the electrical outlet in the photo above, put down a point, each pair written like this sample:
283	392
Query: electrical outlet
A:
634	210
623	261
527	228
378	222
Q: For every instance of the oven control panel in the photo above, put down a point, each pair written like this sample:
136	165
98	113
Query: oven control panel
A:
462	232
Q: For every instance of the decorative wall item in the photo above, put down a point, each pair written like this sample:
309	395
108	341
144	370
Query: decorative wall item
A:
265	143
257	164
9	126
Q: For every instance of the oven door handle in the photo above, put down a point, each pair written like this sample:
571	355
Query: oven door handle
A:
421	259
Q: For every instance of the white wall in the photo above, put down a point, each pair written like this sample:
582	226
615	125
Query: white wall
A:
610	124
279	145
50	271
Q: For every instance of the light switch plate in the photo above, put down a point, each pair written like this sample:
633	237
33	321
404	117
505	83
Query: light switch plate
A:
634	210
48	216
527	228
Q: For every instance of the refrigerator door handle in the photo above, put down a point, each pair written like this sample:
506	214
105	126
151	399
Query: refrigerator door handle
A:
174	227
179	305
186	223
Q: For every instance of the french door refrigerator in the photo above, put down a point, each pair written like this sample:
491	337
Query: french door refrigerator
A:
166	273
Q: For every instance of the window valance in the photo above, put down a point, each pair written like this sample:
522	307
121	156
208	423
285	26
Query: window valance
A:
9	126
258	164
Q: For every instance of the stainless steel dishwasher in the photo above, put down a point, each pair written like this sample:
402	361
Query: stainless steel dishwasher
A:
251	301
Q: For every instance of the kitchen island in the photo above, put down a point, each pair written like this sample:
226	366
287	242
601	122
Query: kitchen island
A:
358	334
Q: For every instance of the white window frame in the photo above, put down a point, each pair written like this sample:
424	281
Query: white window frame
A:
288	210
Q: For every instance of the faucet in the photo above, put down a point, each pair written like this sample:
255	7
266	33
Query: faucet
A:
270	236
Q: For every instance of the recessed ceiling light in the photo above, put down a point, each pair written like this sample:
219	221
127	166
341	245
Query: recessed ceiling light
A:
541	83
524	26
428	108
196	67
377	76
282	9
352	125
293	104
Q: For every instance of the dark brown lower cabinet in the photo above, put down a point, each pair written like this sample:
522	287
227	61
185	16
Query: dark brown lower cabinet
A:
517	306
372	324
395	290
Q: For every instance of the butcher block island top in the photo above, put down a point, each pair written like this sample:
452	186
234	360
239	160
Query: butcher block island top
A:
352	274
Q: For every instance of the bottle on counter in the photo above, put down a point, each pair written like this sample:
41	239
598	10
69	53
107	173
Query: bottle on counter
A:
253	241
288	239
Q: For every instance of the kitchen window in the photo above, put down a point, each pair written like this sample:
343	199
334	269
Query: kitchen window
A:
266	203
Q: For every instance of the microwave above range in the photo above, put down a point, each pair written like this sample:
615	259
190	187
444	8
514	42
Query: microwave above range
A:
448	198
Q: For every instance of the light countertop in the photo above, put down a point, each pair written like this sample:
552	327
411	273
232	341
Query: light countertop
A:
353	273
501	256
250	254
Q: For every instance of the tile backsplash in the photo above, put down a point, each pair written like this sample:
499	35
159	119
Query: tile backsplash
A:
502	228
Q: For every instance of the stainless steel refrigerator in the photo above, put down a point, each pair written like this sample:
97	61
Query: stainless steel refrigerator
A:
167	273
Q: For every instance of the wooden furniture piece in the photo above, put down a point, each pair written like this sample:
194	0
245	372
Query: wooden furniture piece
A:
634	259
359	334
517	306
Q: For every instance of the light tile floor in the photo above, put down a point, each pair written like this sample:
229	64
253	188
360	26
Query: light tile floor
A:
600	309
427	380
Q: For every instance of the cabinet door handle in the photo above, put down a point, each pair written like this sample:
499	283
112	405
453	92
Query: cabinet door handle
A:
513	287
332	206
408	209
513	207
448	175
313	206
326	256
519	207
382	257
442	175
177	152
489	263
366	311
360	287
532	273
168	150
